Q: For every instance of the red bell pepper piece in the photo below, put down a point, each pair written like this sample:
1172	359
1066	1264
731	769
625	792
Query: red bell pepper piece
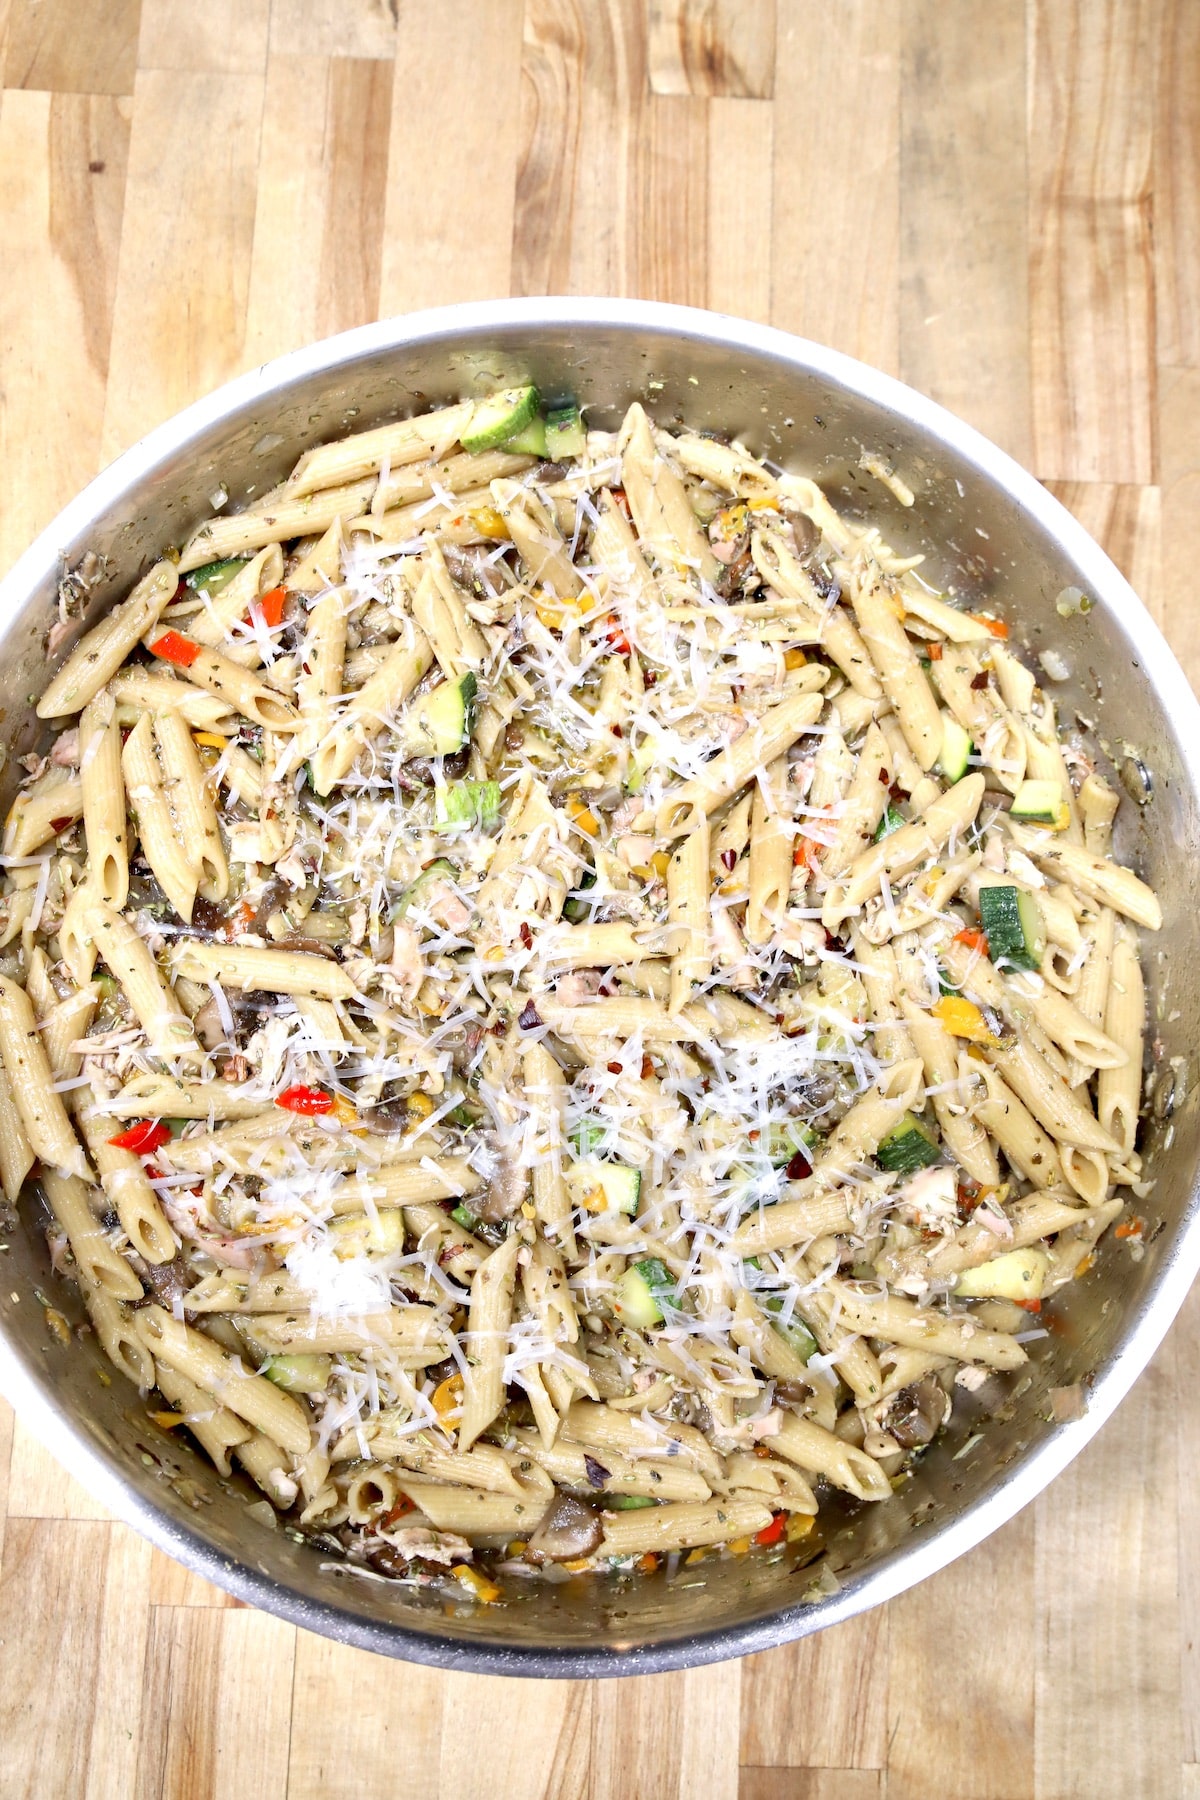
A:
143	1137
305	1100
173	647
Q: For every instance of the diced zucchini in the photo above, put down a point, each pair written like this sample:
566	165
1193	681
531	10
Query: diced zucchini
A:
891	821
575	907
439	723
499	418
417	892
627	1502
358	1234
956	749
784	1140
620	1185
1017	1275
643	1288
1042	803
793	1331
1012	921
464	804
588	1136
212	577
462	1215
300	1374
530	440
907	1147
565	435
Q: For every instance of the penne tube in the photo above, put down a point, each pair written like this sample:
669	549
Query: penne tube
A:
41	811
99	1265
942	821
685	1526
405	441
539	542
129	958
191	803
413	1335
163	836
214	1427
239	690
42	1115
127	1187
1095	877
487	1338
545	1091
731	769
102	782
216	1371
687	912
658	500
962	1133
246	967
797	1221
366	711
898	1321
900	673
571	1466
136	690
101	651
289	515
821	1453
16	1152
864	806
407	1184
1119	1088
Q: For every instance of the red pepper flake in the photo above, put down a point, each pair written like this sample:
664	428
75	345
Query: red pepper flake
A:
60	824
648	1068
772	1533
980	681
401	1510
729	859
526	935
615	1068
616	731
935	653
529	1017
615	633
173	647
618	494
308	1101
885	778
1033	1306
650	678
800	1167
143	1137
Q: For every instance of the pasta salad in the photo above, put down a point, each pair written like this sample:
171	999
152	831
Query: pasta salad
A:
562	1002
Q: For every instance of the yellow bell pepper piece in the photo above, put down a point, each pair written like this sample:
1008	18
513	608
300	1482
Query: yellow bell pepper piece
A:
963	1019
490	522
798	1526
794	659
480	1586
583	815
212	739
447	1398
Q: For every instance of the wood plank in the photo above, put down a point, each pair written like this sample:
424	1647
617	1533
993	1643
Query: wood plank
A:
1176	191
740	136
72	1588
669	216
321	197
62	182
222	37
1091	279
72	46
1127	521
6	1434
1179	417
180	315
684	1727
40	1488
835	250
457	82
582	101
337	27
848	1667
810	1784
385	1746
724	47
964	305
517	1737
971	1735
1186	1335
201	1739
170	1584
1107	1573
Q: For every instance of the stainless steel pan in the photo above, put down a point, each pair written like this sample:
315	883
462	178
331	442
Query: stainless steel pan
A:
999	536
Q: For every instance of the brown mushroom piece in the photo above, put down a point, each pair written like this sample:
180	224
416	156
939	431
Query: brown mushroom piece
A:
569	1528
506	1190
918	1413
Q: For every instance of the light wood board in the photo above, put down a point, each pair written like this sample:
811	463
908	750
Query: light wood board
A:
995	199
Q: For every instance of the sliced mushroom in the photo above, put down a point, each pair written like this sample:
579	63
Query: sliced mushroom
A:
918	1413
506	1191
569	1528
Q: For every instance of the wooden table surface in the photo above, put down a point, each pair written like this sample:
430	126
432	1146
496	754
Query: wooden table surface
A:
996	200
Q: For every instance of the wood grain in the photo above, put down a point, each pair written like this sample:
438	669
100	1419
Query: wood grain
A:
996	200
836	211
722	47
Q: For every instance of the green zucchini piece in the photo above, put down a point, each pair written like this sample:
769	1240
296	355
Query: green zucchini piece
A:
956	749
498	418
565	434
784	1140
462	1215
461	805
1017	1275
627	1502
440	869
620	1185
1039	801
907	1147
588	1137
643	1288
1012	923
531	441
891	821
213	576
793	1331
300	1374
440	722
